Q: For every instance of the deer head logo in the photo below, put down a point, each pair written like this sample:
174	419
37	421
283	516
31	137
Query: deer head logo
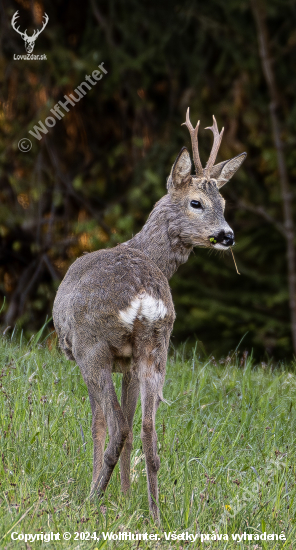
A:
29	40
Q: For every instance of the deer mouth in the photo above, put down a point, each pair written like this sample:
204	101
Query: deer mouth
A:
220	246
222	241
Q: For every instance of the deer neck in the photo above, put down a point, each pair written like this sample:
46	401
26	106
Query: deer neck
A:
160	240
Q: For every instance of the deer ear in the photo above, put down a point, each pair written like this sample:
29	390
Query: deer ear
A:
223	171
180	171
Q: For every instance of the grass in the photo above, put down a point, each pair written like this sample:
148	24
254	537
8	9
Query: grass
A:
226	444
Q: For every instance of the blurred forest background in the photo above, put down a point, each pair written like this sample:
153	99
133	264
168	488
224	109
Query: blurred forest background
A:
92	180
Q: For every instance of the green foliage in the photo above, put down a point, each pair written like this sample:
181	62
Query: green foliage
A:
226	444
93	179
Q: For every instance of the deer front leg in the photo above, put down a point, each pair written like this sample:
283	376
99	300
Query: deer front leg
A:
129	398
150	401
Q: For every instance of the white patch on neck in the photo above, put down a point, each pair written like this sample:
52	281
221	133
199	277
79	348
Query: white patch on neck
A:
143	307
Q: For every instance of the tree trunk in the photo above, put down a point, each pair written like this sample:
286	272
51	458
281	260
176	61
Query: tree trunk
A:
288	223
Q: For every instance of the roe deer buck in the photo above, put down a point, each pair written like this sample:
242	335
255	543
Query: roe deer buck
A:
114	312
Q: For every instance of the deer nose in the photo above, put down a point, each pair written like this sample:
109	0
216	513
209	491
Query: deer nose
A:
227	239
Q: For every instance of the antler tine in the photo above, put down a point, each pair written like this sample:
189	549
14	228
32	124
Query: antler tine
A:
44	23
14	17
194	141
13	21
215	147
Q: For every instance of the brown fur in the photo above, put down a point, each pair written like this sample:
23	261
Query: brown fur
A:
114	313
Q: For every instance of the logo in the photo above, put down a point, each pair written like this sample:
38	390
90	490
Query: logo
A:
29	40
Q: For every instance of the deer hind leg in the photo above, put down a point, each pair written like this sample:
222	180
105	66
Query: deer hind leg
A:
99	429
102	390
129	398
152	375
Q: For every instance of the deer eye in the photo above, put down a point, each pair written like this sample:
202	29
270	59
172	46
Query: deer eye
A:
195	204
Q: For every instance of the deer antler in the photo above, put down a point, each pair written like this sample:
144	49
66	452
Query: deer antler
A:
13	21
24	34
200	171
215	148
194	141
45	16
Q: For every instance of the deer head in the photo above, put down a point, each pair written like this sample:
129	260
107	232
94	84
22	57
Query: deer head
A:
200	203
29	40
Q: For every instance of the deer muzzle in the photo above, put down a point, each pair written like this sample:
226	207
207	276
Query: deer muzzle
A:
222	239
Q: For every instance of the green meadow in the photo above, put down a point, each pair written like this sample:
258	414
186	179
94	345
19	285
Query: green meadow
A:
226	440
